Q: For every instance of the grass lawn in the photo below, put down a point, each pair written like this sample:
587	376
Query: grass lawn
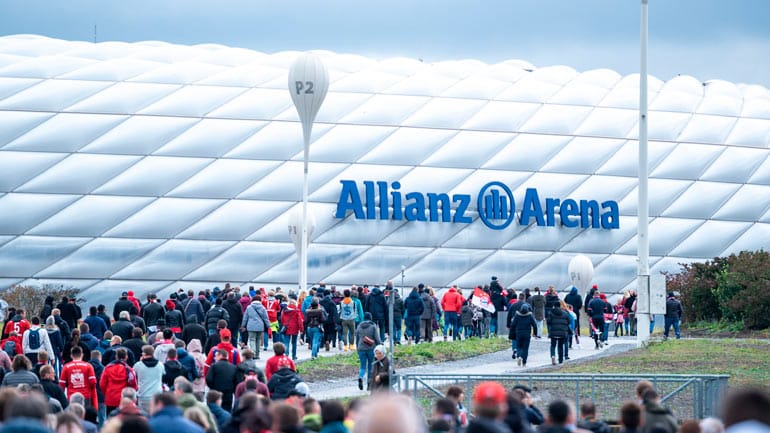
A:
346	364
746	361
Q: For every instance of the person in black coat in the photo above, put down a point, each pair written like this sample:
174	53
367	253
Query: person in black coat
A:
123	327
413	307
283	382
51	387
214	315
523	326
233	308
332	318
223	377
595	310
123	304
193	329
573	298
152	311
135	343
558	330
70	312
378	306
398	317
47	308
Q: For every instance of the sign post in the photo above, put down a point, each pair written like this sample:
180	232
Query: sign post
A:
308	84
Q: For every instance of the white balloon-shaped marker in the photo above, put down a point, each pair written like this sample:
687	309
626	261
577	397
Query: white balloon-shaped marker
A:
308	83
295	227
581	272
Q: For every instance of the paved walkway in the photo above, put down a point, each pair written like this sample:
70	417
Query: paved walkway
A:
499	362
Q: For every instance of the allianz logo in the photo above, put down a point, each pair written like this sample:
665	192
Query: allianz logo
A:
495	204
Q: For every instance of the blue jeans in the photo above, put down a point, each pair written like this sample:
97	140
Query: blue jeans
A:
397	325
513	346
365	358
605	331
291	341
102	414
493	324
413	327
381	326
314	336
671	321
450	319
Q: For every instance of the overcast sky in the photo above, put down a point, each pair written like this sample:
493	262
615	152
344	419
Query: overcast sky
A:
726	39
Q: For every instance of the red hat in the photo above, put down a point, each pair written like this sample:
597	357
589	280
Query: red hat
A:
224	333
130	293
602	296
490	393
595	286
170	305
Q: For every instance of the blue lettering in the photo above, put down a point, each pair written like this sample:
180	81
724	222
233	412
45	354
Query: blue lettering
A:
551	204
349	200
462	200
396	196
383	192
433	203
370	203
569	208
585	207
531	208
415	211
611	219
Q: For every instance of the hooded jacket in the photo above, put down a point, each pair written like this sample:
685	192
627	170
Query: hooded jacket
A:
233	308
573	298
429	308
413	305
96	325
366	328
282	383
452	302
215	314
195	308
596	308
116	376
188	362
523	324
537	302
293	321
195	350
173	369
656	415
376	304
255	318
558	323
149	375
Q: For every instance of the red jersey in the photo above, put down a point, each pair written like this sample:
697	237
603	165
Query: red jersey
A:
19	327
272	306
79	376
276	362
233	355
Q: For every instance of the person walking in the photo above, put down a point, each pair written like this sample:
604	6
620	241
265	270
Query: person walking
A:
595	310
149	377
452	303
79	376
116	376
293	322
558	329
35	340
523	325
573	298
427	316
414	307
673	315
223	377
367	337
256	323
315	317
537	302
348	317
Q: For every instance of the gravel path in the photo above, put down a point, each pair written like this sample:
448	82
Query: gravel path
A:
498	362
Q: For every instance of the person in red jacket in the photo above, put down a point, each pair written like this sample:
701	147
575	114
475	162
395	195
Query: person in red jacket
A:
273	306
232	353
16	341
278	360
17	324
116	376
79	376
452	303
135	301
294	322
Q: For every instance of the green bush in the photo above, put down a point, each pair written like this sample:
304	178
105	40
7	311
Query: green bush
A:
728	289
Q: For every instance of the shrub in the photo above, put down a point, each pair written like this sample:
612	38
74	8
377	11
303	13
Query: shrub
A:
32	298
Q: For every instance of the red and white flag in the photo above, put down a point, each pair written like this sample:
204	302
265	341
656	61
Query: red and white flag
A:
481	299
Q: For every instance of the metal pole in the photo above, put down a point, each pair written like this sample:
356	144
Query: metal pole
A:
391	327
643	241
303	248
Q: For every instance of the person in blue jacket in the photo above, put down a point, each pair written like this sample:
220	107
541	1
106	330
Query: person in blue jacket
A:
166	416
523	326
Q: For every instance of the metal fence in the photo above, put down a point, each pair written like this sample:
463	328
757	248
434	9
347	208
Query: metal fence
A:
688	396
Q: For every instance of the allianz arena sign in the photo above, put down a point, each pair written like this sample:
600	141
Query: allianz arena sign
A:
495	203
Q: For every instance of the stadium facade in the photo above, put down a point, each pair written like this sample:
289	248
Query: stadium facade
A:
150	166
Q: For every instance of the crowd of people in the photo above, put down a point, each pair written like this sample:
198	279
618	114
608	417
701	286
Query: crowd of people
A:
193	357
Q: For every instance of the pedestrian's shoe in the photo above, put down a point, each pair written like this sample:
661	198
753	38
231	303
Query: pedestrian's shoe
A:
327	346
518	361
360	384
553	360
445	338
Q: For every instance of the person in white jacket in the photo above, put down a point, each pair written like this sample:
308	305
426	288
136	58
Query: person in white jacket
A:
35	340
149	377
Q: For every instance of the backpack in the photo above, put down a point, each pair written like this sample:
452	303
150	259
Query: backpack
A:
348	311
10	348
34	339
